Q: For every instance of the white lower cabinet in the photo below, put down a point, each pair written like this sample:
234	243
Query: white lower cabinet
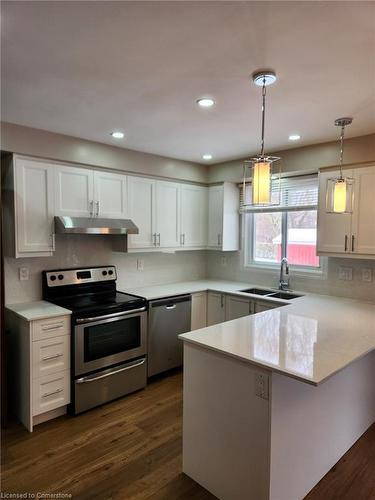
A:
260	306
198	310
215	308
237	307
40	366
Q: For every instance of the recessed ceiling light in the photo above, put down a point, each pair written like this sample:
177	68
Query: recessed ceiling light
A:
207	157
117	135
294	137
205	102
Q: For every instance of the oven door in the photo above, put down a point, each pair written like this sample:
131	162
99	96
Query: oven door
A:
100	342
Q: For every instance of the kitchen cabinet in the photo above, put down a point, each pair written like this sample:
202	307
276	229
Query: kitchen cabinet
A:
141	208
74	191
215	308
260	306
198	310
348	235
237	307
29	208
223	217
193	216
110	195
167	227
39	352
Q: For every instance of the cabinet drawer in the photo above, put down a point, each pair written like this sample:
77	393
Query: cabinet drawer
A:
50	392
51	327
51	355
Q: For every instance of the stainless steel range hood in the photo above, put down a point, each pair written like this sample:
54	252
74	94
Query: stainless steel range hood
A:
95	225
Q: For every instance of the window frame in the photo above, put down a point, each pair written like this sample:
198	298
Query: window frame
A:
248	234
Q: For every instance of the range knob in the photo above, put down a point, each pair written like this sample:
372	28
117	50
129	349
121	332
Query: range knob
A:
61	277
53	277
110	272
104	273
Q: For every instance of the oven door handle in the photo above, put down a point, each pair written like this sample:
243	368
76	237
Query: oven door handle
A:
113	315
93	378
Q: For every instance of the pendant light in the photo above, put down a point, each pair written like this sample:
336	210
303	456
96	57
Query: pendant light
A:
265	185
339	194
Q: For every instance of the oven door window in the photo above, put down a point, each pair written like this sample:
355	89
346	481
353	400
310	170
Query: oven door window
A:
111	338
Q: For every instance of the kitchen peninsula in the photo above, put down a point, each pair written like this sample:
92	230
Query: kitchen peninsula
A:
273	400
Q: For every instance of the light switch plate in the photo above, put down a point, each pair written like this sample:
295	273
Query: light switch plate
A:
261	385
140	264
367	275
345	273
24	273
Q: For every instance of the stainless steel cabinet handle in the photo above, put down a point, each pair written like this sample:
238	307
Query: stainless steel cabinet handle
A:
182	239
97	209
154	239
172	306
352	242
158	239
46	394
53	356
346	243
91	378
91	208
222	300
55	326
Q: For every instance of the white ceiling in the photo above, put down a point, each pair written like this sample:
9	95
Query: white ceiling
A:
87	68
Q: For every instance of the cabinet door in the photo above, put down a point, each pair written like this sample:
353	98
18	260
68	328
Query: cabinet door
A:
141	209
193	216
264	306
110	195
168	214
215	308
74	191
34	207
333	232
363	217
237	307
198	310
215	216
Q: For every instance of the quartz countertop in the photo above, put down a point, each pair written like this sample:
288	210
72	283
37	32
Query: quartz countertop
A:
310	339
40	309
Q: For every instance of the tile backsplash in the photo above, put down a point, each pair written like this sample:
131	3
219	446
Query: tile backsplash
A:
163	267
85	251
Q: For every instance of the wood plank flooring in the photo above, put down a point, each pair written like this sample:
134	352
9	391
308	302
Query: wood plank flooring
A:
131	449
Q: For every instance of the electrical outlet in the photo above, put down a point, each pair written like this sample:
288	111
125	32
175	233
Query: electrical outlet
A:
140	264
261	385
367	275
223	260
24	273
345	273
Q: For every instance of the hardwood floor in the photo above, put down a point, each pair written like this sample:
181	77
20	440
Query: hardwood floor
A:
131	449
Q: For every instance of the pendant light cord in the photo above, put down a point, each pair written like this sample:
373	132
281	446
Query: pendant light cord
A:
263	113
341	148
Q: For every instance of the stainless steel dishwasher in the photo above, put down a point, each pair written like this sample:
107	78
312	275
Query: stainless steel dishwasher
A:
167	319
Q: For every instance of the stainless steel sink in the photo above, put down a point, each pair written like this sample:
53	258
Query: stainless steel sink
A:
272	293
284	295
257	291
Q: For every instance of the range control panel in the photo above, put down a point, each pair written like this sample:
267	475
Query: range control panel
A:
78	276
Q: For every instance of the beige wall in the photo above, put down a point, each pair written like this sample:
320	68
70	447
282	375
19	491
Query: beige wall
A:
357	150
58	147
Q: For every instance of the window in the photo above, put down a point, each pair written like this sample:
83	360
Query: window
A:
287	230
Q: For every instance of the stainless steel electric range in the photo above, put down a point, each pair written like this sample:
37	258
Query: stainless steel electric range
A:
109	334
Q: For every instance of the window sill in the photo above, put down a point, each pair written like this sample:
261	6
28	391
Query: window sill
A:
303	272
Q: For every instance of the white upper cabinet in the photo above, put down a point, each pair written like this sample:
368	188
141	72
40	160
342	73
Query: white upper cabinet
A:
363	218
110	195
334	230
34	208
74	191
141	210
167	214
351	235
223	217
193	216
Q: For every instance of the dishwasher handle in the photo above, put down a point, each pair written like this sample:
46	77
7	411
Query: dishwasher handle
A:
170	302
